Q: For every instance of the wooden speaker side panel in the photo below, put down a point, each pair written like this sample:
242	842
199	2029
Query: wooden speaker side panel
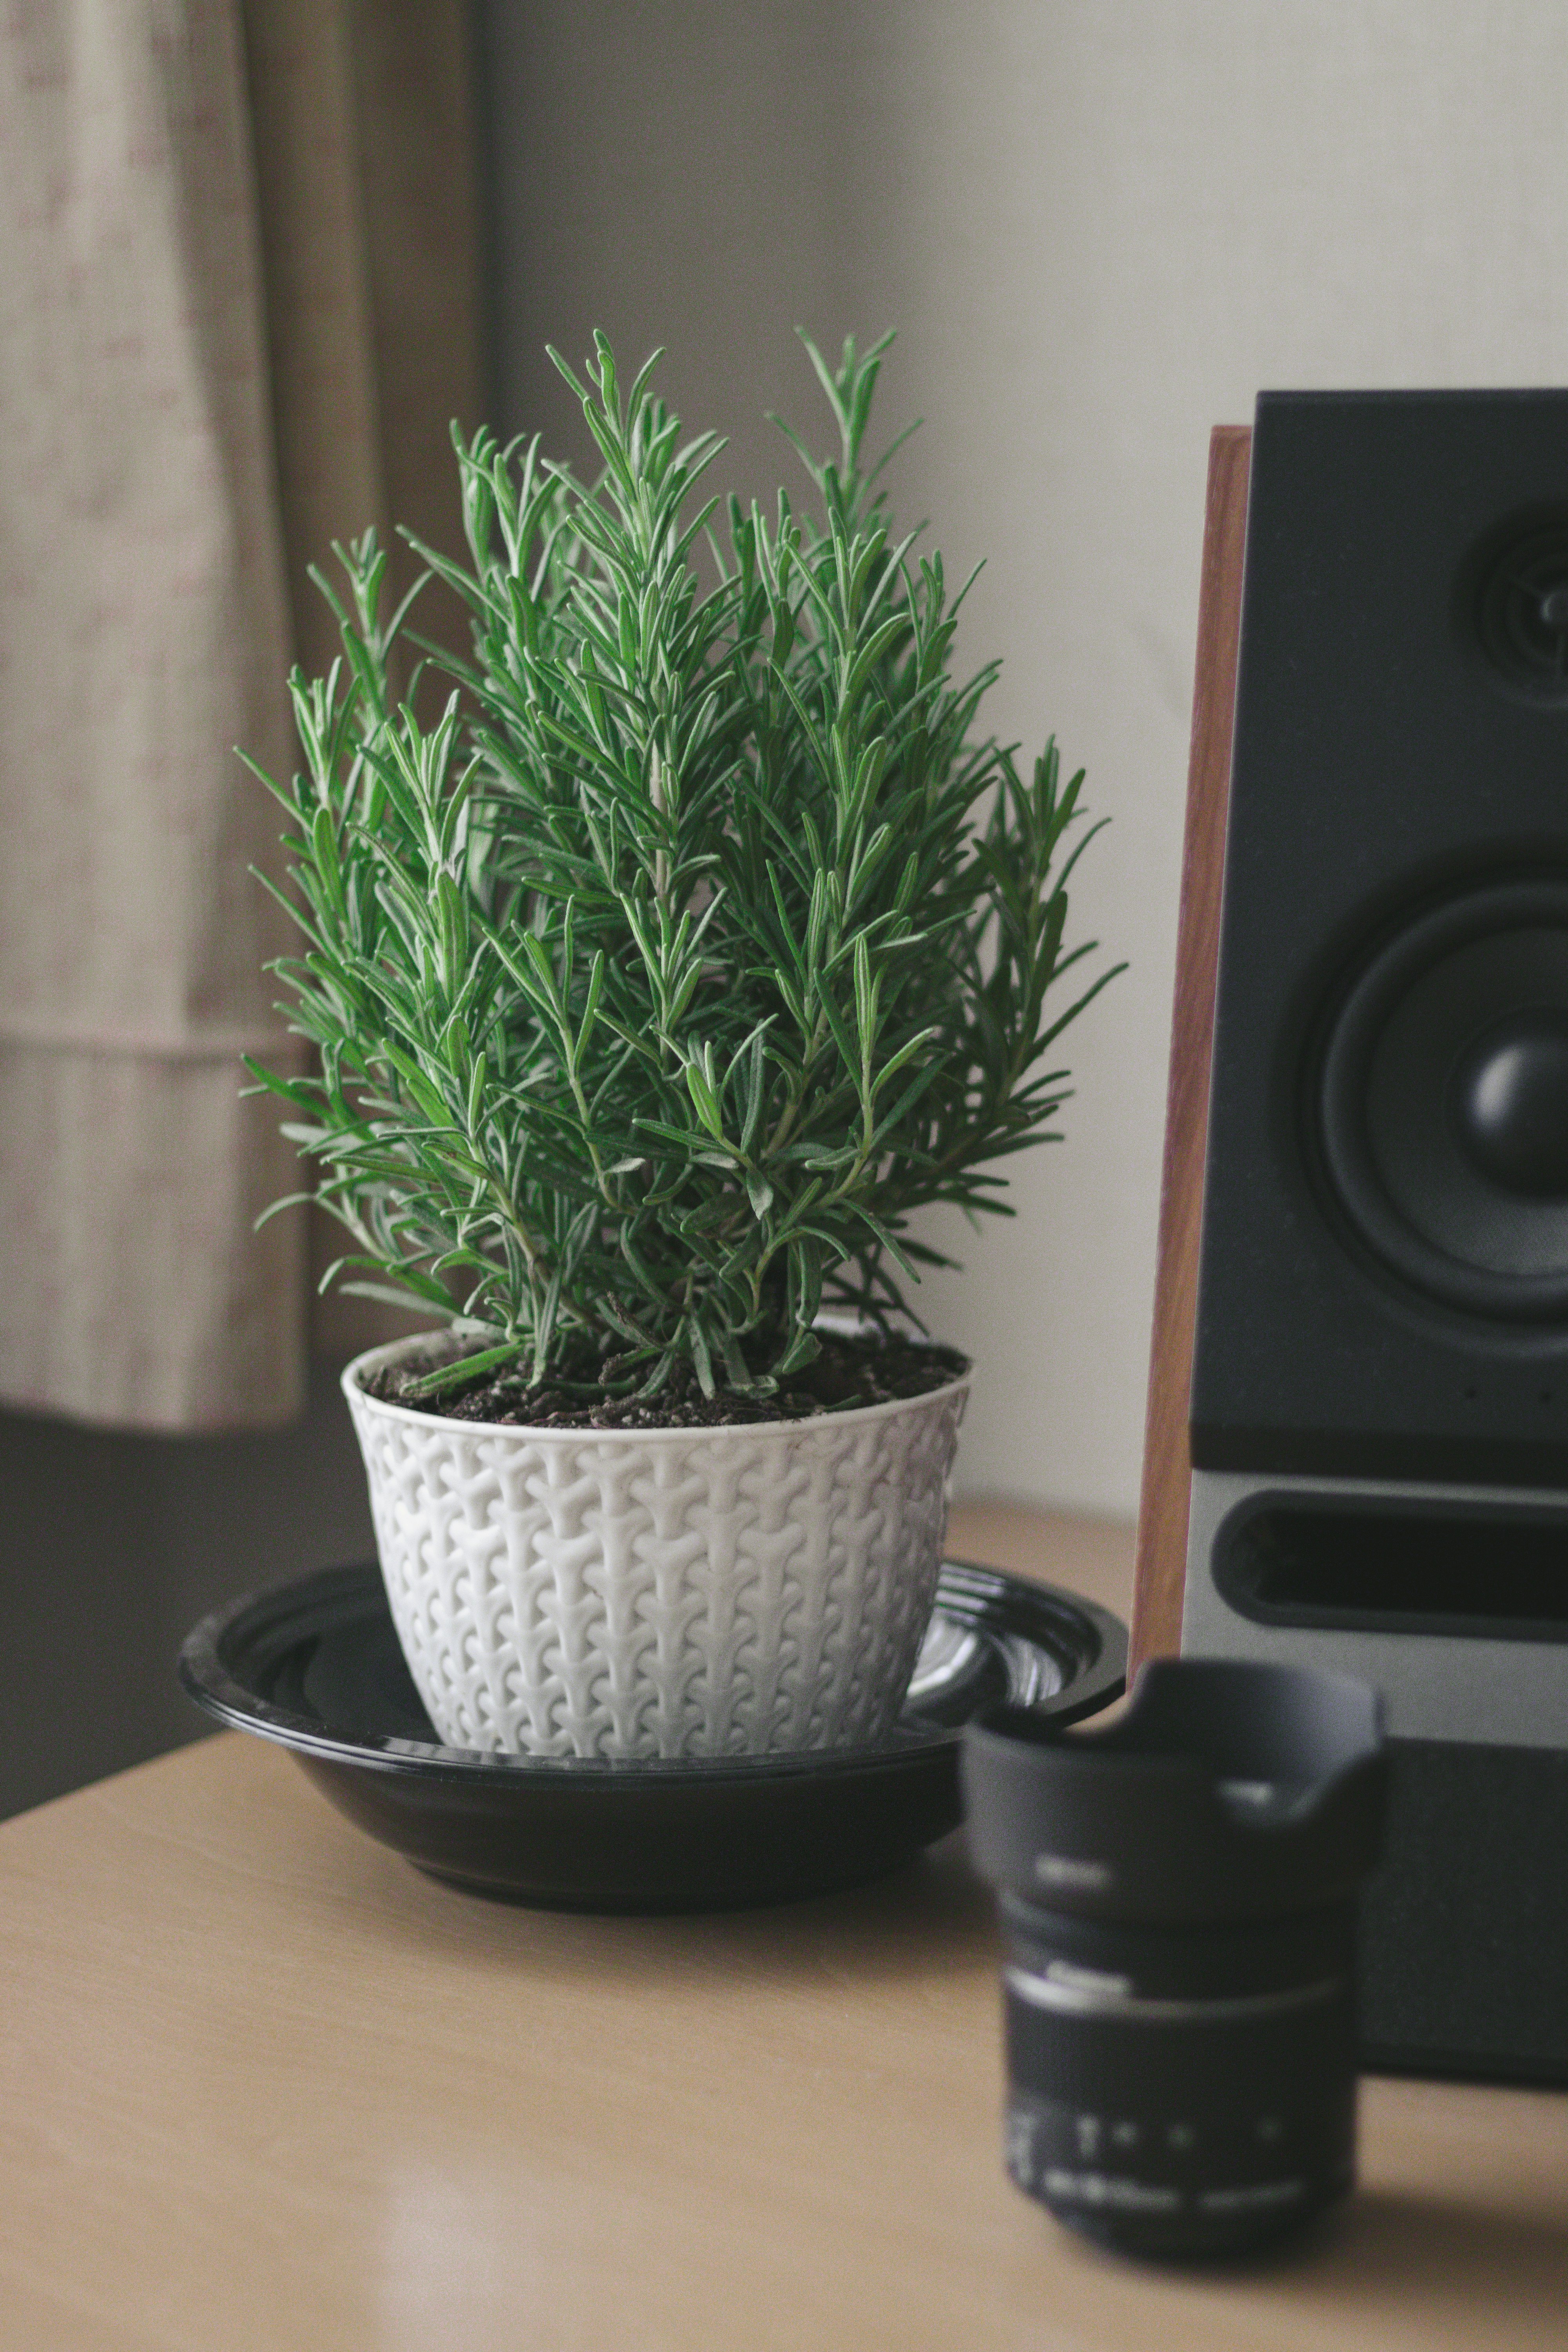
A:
1167	1462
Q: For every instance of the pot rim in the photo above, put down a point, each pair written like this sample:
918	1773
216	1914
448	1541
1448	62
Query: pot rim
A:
853	1416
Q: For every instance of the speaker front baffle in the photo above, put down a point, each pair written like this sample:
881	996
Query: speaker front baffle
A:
1378	1405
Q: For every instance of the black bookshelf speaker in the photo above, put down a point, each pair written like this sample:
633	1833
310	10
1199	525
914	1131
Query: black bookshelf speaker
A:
1380	1383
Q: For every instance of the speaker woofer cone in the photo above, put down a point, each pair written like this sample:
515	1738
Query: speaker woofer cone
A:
1444	1103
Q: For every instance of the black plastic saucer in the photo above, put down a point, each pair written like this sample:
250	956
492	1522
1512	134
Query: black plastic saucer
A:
316	1667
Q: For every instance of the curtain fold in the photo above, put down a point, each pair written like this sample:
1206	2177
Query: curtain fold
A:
143	634
370	218
200	225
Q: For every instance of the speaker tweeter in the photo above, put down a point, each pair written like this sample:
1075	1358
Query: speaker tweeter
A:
1516	586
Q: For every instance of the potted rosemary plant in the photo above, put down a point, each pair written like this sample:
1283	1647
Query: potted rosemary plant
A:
701	943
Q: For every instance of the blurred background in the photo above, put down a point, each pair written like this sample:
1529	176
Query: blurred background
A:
253	258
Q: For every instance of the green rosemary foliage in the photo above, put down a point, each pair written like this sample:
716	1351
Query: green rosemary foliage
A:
700	944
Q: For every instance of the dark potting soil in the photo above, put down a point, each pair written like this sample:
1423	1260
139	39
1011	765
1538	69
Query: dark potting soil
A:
849	1371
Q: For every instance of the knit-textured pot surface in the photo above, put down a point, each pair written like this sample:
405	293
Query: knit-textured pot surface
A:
739	1591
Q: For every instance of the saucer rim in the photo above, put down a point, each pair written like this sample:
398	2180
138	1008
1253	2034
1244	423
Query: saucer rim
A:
1089	1647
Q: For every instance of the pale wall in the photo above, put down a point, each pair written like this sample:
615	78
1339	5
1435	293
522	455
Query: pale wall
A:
1099	229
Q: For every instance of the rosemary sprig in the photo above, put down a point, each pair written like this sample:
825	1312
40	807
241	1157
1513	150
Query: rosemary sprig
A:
702	940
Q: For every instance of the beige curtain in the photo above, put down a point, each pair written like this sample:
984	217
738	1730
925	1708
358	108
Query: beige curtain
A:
237	306
367	187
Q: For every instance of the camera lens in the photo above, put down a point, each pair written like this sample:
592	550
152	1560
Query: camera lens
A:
1178	1896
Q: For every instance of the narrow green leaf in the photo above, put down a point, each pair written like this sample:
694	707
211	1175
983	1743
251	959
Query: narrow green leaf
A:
467	1369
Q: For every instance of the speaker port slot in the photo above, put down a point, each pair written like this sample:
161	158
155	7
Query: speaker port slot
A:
1411	1571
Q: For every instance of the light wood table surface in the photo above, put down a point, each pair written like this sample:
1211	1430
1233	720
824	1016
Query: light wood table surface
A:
262	2085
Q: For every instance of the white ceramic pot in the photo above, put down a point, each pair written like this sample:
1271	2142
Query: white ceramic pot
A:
741	1590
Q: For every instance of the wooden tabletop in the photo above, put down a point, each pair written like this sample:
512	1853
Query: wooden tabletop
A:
262	2085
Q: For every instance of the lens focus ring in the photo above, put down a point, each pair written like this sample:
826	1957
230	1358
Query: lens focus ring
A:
1163	2122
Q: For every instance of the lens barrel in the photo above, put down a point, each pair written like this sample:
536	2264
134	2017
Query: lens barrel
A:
1178	1893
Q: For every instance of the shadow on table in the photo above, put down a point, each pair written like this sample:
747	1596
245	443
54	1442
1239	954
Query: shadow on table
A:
1431	2259
1412	2247
932	1918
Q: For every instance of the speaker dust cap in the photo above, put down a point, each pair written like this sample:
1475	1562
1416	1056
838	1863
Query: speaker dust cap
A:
1444	1102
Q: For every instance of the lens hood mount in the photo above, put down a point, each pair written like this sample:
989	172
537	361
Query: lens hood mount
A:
1225	1791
